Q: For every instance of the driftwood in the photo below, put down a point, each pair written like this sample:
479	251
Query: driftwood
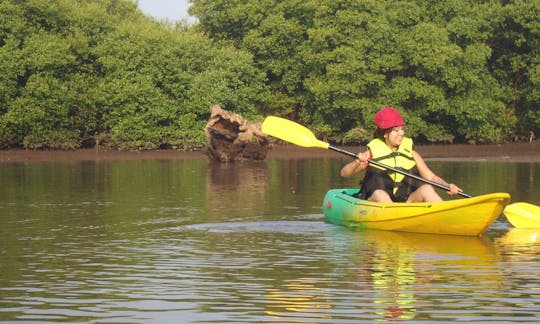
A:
229	137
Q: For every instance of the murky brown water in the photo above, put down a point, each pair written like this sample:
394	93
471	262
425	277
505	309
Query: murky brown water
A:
174	241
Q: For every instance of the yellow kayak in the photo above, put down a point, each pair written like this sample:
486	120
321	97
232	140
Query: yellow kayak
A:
469	216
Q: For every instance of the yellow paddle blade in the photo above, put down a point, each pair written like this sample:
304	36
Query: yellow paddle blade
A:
523	215
291	132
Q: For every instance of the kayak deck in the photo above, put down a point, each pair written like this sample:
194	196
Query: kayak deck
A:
469	216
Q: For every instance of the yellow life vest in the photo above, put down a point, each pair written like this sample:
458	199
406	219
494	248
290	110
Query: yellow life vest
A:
402	159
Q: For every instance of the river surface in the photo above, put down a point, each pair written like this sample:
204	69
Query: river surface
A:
189	241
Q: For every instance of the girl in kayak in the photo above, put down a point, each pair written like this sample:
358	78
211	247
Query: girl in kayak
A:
392	148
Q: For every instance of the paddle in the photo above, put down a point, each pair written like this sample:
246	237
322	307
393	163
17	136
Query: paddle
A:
292	132
523	215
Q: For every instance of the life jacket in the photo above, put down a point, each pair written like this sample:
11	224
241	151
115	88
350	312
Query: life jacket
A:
402	159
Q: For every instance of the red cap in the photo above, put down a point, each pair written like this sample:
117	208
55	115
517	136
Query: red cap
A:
388	117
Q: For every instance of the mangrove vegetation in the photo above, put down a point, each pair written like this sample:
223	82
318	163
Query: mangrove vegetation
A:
87	73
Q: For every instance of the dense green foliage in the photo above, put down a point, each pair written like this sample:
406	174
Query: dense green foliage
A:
98	72
460	70
79	73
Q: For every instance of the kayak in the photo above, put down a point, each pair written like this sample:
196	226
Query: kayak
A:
468	216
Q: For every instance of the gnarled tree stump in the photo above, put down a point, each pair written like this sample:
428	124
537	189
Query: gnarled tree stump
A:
231	138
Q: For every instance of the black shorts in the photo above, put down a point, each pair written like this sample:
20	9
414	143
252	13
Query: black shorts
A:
376	179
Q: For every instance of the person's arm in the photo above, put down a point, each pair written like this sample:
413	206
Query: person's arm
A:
426	173
356	166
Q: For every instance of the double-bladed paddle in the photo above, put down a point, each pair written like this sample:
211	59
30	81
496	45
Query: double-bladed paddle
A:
518	214
523	215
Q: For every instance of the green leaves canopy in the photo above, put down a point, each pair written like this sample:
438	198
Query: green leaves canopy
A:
98	72
331	64
80	73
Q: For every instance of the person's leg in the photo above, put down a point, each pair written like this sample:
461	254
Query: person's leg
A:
381	196
425	193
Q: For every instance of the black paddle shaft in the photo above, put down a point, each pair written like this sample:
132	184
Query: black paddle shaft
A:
382	165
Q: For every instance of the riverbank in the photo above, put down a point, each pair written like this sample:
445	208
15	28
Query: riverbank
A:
508	152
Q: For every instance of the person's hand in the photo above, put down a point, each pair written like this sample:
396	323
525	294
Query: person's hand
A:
454	190
357	165
362	157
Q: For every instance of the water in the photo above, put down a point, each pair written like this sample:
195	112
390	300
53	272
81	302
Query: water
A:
190	241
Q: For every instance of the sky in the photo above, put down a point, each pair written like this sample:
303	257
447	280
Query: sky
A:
166	9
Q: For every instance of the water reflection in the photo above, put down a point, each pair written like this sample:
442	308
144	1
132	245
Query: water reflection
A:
242	187
403	270
299	296
190	241
529	237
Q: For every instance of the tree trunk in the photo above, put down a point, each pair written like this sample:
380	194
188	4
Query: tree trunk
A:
229	137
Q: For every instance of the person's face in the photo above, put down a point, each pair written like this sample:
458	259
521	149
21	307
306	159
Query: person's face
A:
394	137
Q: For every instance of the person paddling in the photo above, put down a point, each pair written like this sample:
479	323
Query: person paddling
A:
392	148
